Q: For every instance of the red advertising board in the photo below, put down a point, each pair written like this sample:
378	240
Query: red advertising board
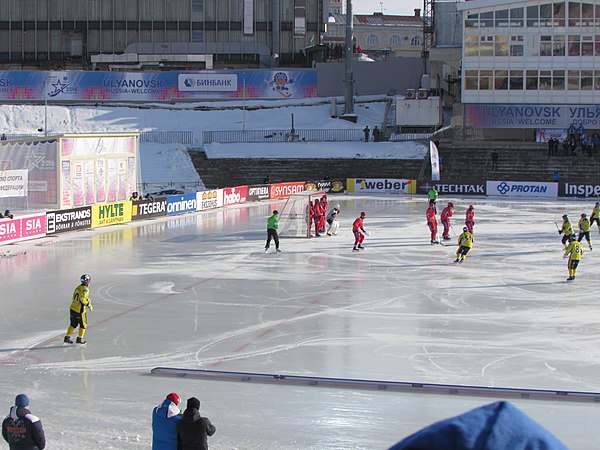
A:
235	195
283	190
21	228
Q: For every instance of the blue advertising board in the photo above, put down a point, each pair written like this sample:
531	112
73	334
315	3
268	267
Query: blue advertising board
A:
156	86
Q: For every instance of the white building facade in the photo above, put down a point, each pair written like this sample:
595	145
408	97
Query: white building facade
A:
539	59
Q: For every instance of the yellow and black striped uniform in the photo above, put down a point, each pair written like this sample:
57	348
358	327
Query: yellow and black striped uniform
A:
574	251
465	243
79	304
595	216
584	231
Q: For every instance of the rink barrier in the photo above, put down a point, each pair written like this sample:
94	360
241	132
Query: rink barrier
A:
379	385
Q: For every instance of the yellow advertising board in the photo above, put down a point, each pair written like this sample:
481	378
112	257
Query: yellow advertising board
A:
111	213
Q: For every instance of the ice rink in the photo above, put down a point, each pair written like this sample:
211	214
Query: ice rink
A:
198	291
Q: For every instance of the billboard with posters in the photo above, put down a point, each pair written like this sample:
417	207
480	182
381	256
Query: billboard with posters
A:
235	195
283	190
68	220
257	192
329	186
21	228
381	186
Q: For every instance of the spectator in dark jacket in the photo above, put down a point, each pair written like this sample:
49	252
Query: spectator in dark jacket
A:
164	423
192	429
21	429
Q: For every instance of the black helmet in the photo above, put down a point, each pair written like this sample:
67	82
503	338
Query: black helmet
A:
275	212
465	229
85	279
565	217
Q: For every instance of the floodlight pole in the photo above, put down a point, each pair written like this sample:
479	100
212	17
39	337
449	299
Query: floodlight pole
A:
46	106
244	102
349	98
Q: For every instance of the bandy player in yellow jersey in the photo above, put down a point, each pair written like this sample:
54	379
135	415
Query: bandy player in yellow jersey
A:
465	243
574	252
81	301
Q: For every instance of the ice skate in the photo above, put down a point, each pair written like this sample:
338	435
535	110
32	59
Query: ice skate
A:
266	249
354	249
328	234
278	251
435	241
446	238
81	341
461	261
68	340
361	247
570	278
457	260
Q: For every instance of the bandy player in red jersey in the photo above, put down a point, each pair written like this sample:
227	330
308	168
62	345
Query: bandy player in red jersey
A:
470	218
447	212
432	223
358	228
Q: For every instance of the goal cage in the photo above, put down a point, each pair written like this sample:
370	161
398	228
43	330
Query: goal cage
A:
295	216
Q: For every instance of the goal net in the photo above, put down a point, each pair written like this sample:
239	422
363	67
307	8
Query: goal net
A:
294	218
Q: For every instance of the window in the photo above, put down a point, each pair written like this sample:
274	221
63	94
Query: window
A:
574	14
587	46
500	80
574	45
471	80
372	40
416	41
486	46
545	45
573	80
558	46
587	80
486	80
197	12
487	19
395	41
545	80
597	46
533	15
501	46
472	45
559	14
501	18
558	80
587	15
516	80
597	80
546	15
531	80
516	17
516	46
472	21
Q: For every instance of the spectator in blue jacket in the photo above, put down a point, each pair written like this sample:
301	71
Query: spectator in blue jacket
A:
21	429
164	423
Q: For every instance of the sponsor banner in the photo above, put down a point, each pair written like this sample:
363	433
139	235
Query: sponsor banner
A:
179	204
143	209
68	220
21	228
448	188
381	185
259	192
235	195
544	134
331	186
96	86
283	190
111	213
434	156
531	116
522	189
13	183
579	190
209	199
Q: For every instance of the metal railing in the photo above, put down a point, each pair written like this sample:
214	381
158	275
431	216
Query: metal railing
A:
261	136
158	137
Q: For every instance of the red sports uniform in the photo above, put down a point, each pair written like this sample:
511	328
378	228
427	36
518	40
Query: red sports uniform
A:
447	212
432	223
469	219
358	229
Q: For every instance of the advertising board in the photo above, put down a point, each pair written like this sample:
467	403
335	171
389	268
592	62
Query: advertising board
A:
521	189
68	220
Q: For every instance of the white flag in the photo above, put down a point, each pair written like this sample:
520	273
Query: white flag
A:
435	161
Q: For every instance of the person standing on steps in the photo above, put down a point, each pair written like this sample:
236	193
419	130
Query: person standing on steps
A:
81	301
272	226
367	132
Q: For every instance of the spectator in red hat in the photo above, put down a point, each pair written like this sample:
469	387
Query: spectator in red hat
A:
164	423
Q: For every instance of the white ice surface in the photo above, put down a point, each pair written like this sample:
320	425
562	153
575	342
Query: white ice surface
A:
197	291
